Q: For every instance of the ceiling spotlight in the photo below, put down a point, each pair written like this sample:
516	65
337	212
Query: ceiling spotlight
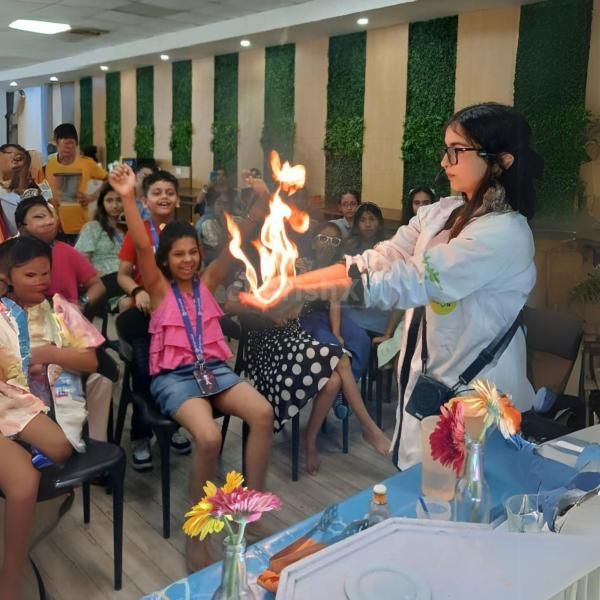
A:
245	43
54	78
13	84
103	68
362	21
164	57
45	27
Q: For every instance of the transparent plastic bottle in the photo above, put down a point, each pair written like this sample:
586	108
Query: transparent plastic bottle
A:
379	509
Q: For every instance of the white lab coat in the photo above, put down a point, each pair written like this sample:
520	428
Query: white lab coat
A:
473	287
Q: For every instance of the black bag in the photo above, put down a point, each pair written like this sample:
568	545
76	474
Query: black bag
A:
429	394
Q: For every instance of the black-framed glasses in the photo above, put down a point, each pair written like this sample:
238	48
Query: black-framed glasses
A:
452	153
326	239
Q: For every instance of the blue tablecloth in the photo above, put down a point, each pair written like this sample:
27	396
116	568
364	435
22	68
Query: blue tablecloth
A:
511	468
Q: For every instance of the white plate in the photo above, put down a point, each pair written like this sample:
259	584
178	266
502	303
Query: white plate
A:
385	582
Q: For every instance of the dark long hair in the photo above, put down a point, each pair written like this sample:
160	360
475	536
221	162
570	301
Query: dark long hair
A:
407	208
354	244
172	232
101	215
496	129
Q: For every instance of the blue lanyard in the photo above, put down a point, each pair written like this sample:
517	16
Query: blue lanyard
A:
154	234
194	338
20	317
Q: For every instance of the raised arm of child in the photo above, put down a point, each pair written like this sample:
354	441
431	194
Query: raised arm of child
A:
76	360
122	179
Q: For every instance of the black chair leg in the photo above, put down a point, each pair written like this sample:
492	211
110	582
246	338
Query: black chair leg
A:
345	434
110	428
295	446
224	429
118	483
123	402
379	398
324	426
164	442
85	494
245	433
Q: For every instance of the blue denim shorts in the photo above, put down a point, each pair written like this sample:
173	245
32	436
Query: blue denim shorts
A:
172	388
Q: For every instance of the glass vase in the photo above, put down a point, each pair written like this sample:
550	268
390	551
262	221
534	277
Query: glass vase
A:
473	501
234	578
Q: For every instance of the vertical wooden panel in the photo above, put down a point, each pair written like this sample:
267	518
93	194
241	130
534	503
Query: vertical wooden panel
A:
251	108
385	104
162	114
310	101
128	117
203	75
99	114
486	55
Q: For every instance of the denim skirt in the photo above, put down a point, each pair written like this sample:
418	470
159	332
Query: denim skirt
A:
171	389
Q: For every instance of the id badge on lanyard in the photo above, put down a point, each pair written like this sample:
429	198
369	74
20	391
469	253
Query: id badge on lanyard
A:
207	382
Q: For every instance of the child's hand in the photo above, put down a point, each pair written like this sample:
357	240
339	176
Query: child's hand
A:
122	179
340	339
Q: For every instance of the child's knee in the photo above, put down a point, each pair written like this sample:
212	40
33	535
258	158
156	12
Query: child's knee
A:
208	442
263	416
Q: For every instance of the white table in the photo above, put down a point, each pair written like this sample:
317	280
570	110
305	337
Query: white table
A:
567	448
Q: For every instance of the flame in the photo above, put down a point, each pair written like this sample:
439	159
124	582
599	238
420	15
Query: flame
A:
277	252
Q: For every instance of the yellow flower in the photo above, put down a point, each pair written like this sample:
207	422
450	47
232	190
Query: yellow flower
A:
233	481
200	522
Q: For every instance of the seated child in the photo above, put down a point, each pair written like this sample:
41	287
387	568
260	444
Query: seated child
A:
190	377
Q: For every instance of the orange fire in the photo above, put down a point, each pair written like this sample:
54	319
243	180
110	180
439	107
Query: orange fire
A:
277	252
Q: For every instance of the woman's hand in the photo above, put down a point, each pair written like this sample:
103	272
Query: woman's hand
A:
122	179
142	302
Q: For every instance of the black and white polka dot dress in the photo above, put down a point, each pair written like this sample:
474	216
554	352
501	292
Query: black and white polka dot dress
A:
288	367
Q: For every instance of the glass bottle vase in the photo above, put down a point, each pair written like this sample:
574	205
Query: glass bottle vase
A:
234	578
473	501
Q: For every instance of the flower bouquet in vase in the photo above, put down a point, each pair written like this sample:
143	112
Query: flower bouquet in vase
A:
458	441
230	508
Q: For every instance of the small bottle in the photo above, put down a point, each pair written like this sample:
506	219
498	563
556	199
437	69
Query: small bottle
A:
379	509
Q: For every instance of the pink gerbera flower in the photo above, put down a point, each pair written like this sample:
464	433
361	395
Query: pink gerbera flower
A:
243	504
448	439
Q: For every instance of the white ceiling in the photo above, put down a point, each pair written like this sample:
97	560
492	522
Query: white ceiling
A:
137	31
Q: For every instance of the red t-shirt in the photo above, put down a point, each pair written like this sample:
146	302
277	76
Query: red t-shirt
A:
129	254
71	270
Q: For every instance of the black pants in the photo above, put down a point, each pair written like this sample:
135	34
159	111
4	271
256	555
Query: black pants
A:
132	326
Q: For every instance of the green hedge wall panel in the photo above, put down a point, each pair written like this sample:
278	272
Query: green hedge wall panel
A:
279	127
113	117
225	125
86	124
550	83
345	114
144	130
429	99
181	124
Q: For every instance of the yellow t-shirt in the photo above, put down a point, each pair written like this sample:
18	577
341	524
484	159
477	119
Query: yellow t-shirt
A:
72	215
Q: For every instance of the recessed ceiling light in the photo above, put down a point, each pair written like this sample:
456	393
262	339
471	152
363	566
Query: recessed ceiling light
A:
164	57
45	27
13	84
54	78
362	21
103	68
245	43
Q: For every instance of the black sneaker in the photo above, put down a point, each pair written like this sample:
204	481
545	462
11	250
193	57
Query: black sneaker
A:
141	455
180	443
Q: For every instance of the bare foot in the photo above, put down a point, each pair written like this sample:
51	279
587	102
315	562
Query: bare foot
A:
197	554
313	460
378	440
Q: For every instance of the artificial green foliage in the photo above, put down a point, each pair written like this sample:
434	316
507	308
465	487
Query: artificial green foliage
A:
429	99
224	144
144	129
113	117
345	114
86	124
181	124
550	81
279	127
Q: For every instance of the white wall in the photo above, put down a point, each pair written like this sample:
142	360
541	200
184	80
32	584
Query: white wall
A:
31	120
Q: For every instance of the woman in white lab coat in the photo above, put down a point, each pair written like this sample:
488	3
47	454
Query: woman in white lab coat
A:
468	259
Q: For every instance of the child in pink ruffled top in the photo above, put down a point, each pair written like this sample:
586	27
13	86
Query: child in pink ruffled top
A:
190	377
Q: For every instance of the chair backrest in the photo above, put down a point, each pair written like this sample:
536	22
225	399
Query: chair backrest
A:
553	333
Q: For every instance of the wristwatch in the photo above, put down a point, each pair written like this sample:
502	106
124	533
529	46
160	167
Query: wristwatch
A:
84	299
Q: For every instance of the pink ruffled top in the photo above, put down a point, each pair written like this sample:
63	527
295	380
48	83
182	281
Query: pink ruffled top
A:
170	346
